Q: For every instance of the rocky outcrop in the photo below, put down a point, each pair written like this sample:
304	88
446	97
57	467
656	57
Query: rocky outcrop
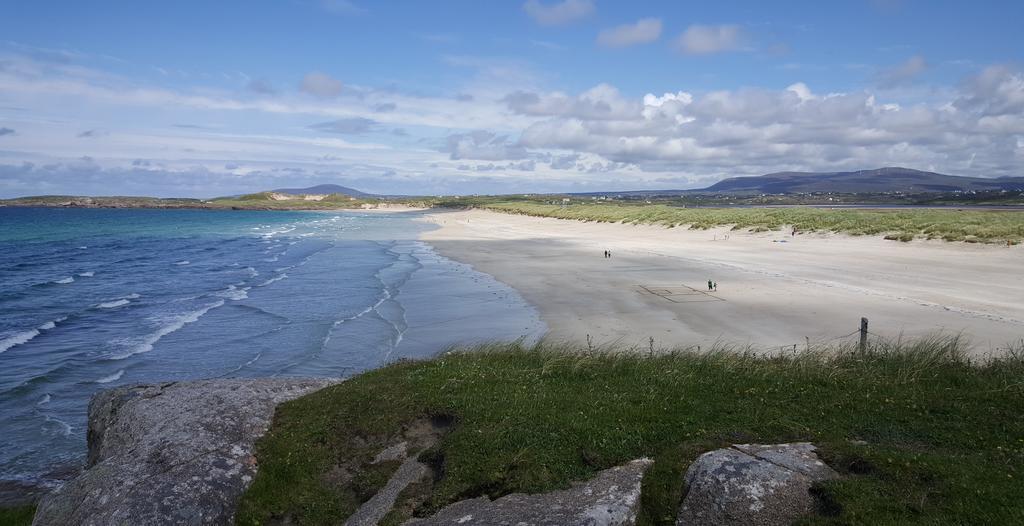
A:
172	453
611	498
755	485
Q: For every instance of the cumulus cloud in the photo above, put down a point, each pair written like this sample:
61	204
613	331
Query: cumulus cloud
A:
600	102
998	91
482	145
643	31
6	131
350	126
321	85
385	107
903	73
558	13
706	40
758	130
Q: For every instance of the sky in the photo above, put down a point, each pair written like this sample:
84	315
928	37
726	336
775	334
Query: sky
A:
201	99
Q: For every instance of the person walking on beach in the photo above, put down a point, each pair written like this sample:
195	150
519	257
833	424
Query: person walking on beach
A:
715	286
711	286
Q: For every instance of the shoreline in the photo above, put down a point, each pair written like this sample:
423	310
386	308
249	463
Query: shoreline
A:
776	291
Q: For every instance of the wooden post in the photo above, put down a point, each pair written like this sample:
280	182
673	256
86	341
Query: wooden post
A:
863	334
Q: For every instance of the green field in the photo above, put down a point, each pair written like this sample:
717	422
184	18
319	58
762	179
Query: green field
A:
920	434
972	226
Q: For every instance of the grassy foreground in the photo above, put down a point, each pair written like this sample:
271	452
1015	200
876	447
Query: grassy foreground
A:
921	435
17	516
972	226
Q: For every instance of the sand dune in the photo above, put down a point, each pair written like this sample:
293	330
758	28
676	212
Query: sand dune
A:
774	289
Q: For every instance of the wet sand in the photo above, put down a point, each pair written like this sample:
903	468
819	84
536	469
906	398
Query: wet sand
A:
774	290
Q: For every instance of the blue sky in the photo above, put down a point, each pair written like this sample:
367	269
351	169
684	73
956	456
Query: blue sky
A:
212	98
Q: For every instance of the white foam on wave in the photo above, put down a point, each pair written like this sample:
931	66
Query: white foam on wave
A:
17	339
182	262
112	304
83	247
234	293
173	323
252	272
51	324
111	378
65	428
65	281
87	274
44	400
386	296
273	279
273	233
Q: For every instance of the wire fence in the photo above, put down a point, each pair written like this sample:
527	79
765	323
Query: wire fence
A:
819	342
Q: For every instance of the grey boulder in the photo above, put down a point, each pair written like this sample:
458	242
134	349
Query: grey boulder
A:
748	484
171	453
610	498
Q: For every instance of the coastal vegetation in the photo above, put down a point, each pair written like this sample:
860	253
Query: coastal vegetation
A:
972	226
17	516
920	432
257	201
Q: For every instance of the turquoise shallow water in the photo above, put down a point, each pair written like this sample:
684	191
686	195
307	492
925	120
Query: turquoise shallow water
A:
95	298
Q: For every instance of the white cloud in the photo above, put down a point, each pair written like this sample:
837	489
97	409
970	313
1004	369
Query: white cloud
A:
705	40
536	139
643	31
482	145
752	131
321	85
558	13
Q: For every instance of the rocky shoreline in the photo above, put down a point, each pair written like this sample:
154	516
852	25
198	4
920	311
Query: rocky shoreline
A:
171	453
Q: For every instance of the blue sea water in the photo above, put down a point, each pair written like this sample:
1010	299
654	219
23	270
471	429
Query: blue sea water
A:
95	298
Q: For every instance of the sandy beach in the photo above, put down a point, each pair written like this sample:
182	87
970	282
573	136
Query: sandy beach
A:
775	290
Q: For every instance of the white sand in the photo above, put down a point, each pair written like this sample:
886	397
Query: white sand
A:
773	289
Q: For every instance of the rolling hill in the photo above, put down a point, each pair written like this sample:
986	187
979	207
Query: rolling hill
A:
892	179
323	189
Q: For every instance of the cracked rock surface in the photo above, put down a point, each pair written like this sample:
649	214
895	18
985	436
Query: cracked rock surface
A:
610	498
750	484
170	453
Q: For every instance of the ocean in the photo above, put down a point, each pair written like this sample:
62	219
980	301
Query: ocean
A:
95	298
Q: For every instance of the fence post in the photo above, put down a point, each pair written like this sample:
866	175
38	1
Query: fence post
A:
863	334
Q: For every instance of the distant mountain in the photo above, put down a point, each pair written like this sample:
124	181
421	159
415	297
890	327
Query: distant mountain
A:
322	189
892	179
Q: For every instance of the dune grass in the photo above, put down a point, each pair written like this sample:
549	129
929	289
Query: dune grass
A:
921	434
973	226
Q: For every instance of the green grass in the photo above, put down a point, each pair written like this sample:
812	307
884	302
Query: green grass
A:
17	516
943	438
985	226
